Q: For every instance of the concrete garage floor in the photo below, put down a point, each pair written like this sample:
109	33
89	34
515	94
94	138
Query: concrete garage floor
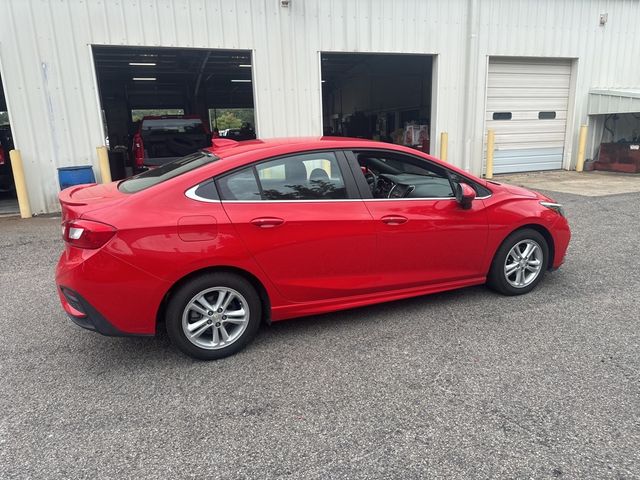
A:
8	205
466	384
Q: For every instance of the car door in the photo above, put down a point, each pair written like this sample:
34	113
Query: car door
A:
424	236
302	219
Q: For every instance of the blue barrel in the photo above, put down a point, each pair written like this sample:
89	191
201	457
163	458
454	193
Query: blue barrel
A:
70	176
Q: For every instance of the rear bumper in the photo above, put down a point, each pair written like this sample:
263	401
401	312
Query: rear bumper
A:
83	314
102	293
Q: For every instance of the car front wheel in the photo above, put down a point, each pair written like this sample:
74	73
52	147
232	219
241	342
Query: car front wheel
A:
520	263
213	315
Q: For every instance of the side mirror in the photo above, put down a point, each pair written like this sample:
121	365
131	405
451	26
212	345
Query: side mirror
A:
465	195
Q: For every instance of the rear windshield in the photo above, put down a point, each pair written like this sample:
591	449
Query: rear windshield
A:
165	172
172	125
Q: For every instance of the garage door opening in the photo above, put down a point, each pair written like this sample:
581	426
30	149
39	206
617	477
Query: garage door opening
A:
8	201
159	104
383	97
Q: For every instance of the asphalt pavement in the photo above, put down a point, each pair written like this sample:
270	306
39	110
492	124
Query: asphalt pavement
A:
465	384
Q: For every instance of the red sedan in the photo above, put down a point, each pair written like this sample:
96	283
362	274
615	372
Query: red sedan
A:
219	241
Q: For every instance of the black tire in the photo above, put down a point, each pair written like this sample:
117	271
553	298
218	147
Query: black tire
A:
497	279
188	291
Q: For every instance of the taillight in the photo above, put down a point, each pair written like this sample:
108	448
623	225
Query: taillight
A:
138	150
87	233
2	159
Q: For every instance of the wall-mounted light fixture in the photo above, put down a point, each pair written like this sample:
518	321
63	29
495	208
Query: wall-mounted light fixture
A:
285	3
603	18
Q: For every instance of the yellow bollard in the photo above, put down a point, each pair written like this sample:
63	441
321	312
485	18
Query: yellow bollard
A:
582	144
491	140
103	161
444	145
20	183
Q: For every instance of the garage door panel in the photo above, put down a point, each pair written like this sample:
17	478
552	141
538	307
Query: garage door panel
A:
523	116
502	104
531	92
527	160
528	126
549	66
534	80
531	139
528	140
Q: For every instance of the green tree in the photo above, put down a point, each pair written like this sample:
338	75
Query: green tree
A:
225	118
228	120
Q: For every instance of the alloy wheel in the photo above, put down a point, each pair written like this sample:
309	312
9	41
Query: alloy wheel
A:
215	318
523	263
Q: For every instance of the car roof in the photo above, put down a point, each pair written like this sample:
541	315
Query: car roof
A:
229	148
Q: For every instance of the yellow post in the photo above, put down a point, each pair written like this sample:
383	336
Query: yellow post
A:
444	145
103	160
582	144
21	184
491	140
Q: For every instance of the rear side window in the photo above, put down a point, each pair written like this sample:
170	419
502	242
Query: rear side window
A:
240	185
165	172
312	176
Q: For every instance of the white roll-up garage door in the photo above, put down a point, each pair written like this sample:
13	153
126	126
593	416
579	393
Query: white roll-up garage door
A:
527	103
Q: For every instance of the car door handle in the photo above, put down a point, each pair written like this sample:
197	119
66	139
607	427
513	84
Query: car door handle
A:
267	222
394	219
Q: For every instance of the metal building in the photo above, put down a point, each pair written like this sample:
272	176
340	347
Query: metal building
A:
522	67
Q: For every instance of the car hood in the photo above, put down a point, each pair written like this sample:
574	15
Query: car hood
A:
523	192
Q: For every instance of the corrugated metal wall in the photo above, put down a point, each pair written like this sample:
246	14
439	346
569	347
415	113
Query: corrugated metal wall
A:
47	64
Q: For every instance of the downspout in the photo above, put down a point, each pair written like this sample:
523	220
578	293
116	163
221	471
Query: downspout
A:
471	86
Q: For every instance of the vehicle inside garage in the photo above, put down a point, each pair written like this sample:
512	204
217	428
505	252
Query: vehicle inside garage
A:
163	103
8	203
383	97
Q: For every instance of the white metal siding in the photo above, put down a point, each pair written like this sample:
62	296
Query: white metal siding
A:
46	61
523	88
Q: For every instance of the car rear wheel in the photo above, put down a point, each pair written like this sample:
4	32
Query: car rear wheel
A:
520	263
213	315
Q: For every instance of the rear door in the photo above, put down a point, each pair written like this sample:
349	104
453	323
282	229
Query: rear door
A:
301	218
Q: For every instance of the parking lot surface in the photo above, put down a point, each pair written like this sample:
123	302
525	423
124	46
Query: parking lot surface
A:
465	384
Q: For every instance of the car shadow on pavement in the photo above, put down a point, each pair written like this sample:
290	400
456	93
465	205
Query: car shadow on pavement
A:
123	352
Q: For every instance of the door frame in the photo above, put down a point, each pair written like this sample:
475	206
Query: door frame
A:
434	143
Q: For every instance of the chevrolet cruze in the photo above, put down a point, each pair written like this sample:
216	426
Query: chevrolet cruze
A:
211	245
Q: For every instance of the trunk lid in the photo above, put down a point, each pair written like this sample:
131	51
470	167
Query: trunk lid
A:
80	199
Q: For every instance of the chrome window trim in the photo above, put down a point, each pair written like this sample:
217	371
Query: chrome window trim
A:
344	200
191	193
297	201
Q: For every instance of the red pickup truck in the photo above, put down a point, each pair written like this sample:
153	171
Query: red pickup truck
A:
161	139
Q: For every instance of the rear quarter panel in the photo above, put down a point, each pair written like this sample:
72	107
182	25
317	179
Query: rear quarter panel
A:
171	236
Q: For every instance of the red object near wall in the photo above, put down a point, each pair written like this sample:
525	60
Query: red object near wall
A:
619	157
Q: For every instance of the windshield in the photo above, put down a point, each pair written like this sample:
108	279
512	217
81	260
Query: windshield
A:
165	172
172	125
